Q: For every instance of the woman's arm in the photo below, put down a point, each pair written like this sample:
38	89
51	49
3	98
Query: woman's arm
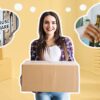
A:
70	49
33	50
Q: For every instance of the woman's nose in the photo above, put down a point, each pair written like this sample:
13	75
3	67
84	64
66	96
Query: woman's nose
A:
50	25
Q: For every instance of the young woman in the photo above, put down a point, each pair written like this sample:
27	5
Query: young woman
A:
51	46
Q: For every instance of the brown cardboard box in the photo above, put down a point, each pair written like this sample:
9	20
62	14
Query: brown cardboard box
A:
40	76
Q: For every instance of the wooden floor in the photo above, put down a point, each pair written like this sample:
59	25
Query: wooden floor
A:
89	89
89	84
10	90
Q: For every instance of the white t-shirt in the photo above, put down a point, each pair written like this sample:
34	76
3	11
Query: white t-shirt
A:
52	53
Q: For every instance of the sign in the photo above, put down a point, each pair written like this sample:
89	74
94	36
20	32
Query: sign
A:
4	24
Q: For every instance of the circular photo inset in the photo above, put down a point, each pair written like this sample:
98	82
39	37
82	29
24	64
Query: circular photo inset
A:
9	23
88	27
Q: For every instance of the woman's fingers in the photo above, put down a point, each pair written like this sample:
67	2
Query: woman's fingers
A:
97	29
88	36
92	33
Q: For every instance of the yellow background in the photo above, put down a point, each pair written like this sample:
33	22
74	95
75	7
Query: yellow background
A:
12	55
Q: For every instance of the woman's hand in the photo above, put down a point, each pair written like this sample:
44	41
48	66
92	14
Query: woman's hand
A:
21	80
92	33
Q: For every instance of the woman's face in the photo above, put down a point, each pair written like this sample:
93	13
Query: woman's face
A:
49	25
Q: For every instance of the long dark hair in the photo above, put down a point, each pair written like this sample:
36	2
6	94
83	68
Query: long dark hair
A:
59	40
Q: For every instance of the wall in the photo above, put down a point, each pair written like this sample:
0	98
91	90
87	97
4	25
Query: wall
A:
18	49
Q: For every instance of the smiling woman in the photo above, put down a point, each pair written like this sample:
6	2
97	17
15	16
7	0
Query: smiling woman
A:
51	46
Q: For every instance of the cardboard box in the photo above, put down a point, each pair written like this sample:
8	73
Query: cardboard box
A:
40	76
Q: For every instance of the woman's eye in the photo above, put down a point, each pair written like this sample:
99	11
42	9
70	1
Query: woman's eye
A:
46	22
53	22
